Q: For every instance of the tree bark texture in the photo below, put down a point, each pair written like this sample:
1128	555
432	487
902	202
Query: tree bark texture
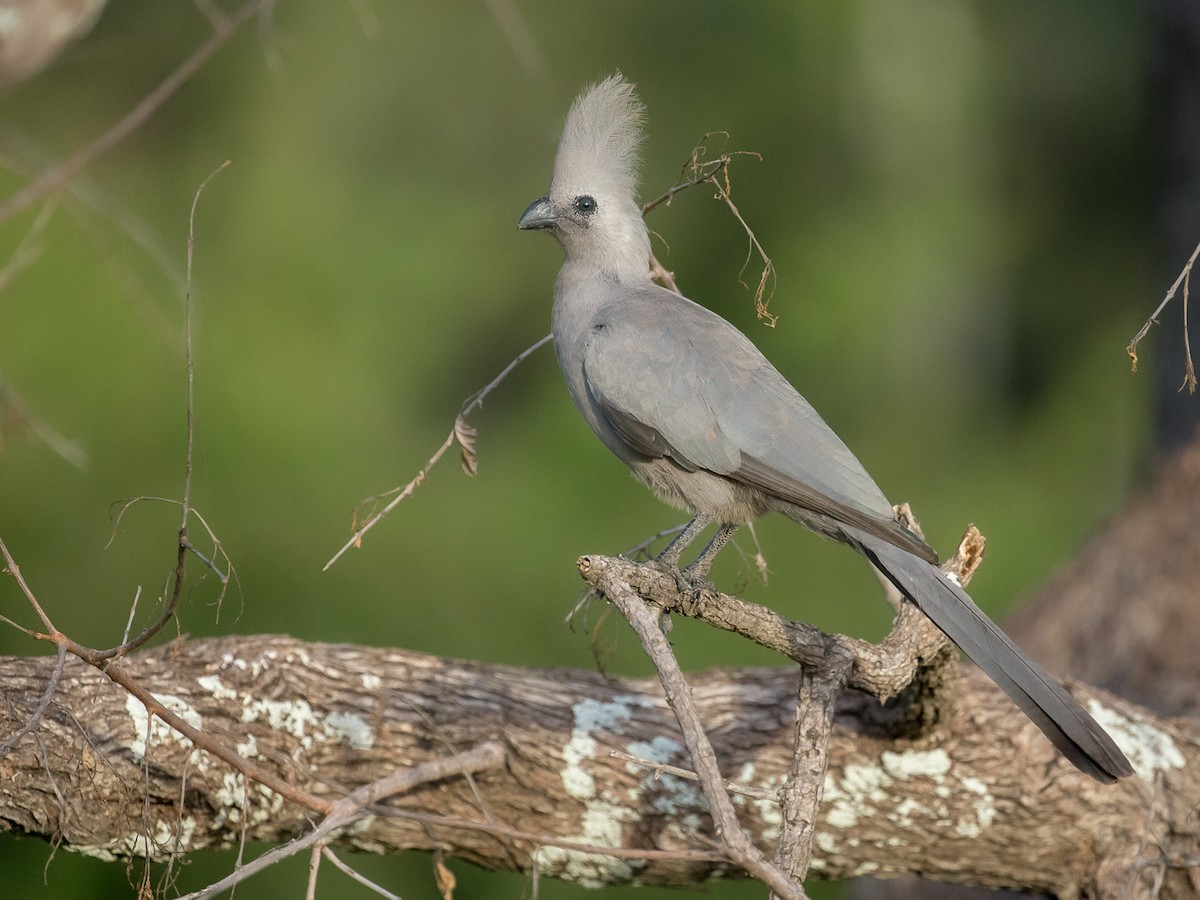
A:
983	799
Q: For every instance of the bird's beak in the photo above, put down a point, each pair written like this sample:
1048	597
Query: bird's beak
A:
540	214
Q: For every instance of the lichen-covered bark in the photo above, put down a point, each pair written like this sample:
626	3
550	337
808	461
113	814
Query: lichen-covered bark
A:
982	800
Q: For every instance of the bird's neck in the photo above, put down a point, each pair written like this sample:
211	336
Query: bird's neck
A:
617	250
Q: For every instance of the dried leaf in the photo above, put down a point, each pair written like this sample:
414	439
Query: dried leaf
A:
446	882
465	435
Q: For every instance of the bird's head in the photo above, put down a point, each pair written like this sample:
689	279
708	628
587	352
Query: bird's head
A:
592	206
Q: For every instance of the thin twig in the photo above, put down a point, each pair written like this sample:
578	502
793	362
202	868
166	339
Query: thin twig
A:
550	840
1131	347
660	769
154	707
1189	372
696	171
520	37
184	545
11	567
462	432
314	867
357	876
355	805
19	418
43	704
137	595
659	273
27	251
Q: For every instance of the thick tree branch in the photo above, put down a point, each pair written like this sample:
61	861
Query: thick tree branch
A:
981	799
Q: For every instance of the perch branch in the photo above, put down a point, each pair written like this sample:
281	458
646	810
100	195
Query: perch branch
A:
725	821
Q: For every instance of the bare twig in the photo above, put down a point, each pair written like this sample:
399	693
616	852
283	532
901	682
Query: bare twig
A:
28	250
644	622
184	546
660	769
11	567
357	876
642	548
357	804
696	171
660	274
551	840
223	30
44	704
1184	276
461	432
1189	373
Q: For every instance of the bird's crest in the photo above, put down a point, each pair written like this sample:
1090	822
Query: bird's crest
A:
601	139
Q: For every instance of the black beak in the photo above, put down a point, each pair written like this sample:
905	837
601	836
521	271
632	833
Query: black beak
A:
540	214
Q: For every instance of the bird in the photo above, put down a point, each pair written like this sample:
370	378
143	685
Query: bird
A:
701	417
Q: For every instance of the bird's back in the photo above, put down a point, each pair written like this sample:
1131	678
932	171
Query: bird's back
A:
658	375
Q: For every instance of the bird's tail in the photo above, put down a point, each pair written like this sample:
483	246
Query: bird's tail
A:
1039	696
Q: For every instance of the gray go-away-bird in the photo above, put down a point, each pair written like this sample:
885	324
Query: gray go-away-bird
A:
700	416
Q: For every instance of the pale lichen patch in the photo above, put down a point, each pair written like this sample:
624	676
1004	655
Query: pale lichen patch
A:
151	731
216	688
867	791
915	763
603	820
1150	749
352	728
295	717
984	805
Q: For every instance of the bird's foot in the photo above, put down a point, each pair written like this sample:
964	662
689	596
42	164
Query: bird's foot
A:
694	580
689	581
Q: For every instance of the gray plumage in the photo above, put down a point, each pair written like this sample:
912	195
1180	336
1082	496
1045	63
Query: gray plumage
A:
700	416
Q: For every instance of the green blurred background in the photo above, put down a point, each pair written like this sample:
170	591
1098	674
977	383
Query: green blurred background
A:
957	198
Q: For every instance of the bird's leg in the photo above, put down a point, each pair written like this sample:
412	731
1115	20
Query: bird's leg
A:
670	555
697	570
668	560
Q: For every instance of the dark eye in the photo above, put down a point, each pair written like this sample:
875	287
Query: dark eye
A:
585	205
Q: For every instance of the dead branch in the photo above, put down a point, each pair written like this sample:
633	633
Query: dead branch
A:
1184	279
645	623
355	806
981	799
923	678
698	170
884	670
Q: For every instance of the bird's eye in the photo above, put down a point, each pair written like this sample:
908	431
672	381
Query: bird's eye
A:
585	205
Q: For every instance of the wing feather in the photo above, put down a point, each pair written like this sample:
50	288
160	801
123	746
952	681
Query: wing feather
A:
673	379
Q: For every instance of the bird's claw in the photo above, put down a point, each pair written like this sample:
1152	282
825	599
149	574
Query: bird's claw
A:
688	581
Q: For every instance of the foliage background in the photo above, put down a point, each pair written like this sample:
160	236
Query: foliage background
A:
957	198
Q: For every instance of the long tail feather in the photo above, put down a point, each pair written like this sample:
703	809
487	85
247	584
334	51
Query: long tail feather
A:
1046	702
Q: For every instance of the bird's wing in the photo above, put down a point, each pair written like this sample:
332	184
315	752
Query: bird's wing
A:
675	380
